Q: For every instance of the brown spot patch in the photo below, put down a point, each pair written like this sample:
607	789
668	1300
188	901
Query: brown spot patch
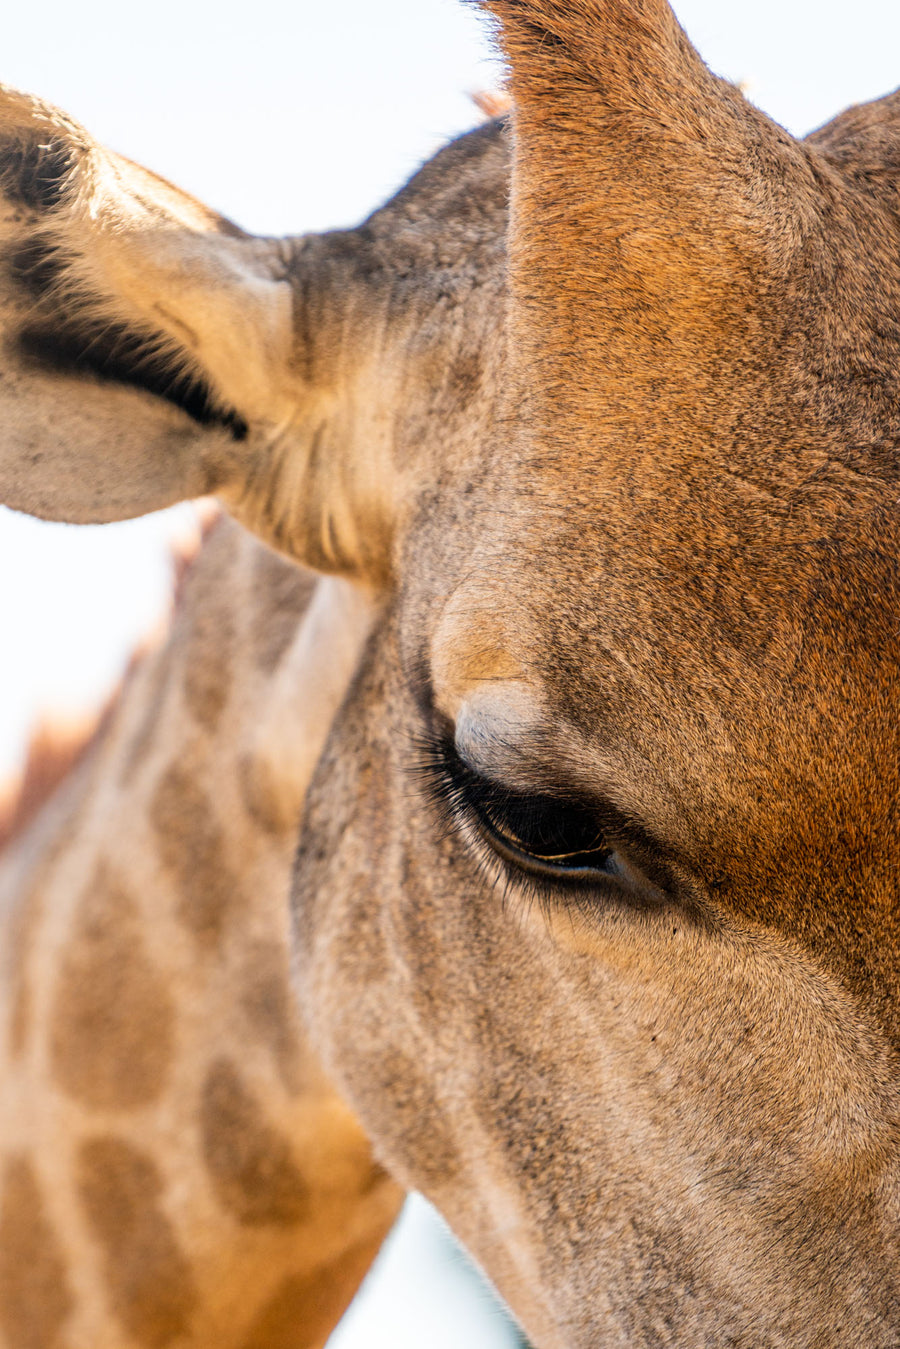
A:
281	595
34	1292
150	1285
193	849
113	1025
269	1004
252	1169
265	799
306	1307
208	667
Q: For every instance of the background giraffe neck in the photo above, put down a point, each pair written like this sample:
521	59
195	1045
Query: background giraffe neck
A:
174	1168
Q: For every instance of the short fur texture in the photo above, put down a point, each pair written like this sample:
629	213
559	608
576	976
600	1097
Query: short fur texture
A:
621	463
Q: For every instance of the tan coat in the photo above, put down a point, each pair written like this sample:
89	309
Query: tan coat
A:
596	897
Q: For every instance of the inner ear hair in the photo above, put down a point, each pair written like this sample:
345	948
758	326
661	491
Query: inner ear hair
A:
70	330
38	173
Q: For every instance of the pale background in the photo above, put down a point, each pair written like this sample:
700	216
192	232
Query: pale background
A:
294	117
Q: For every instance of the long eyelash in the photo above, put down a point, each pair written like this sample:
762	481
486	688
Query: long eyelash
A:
434	766
450	787
442	778
446	778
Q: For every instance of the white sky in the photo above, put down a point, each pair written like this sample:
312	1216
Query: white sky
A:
292	117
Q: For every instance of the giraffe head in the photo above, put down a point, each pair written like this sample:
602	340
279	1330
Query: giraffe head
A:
596	898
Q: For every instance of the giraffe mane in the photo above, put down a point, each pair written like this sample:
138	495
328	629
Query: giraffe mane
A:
491	103
56	746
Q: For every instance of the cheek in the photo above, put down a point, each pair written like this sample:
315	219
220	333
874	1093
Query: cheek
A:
402	949
427	999
374	973
580	1100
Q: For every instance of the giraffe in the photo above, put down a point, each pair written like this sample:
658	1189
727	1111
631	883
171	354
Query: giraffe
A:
595	919
176	1169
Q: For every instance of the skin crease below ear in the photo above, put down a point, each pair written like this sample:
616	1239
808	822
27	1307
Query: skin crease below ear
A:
644	441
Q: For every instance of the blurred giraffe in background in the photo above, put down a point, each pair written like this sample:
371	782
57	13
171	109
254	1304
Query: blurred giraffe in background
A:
174	1167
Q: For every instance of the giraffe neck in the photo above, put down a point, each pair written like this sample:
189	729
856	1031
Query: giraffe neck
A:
174	1167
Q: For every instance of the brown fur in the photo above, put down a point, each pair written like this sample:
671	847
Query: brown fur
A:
109	994
35	1295
149	1279
191	842
603	410
305	1308
249	1162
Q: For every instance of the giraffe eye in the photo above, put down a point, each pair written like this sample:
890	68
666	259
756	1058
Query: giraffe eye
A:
545	835
542	833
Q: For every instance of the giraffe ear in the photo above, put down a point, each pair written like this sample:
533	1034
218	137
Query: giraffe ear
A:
616	48
643	188
146	341
617	117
